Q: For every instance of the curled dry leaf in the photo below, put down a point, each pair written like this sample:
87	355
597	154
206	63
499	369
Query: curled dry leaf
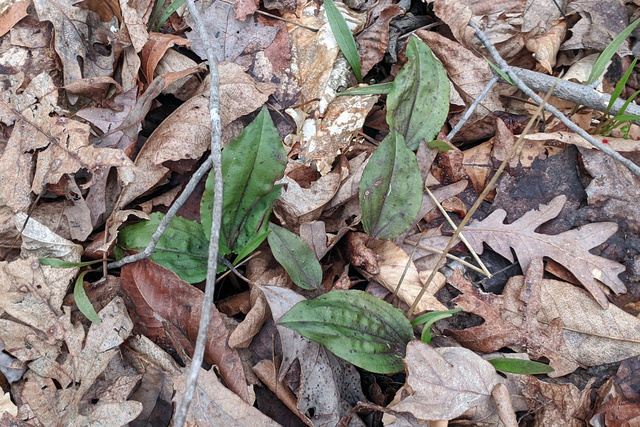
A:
391	262
545	47
443	383
570	248
155	48
159	293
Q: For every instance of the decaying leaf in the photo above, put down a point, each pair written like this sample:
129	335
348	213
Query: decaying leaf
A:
443	383
570	248
158	293
504	329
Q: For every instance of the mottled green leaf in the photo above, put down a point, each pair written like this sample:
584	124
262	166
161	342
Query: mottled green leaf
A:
440	145
344	37
58	263
360	328
418	103
519	366
296	257
390	189
183	248
251	164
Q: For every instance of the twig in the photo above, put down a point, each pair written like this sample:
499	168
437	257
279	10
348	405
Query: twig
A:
173	210
473	107
574	92
438	251
212	262
531	94
462	238
477	203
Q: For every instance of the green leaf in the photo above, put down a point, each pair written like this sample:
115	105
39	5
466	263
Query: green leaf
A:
501	73
251	246
82	301
58	263
442	146
175	5
429	319
601	63
519	366
418	103
183	248
296	257
390	189
251	164
620	86
627	117
379	89
344	38
360	328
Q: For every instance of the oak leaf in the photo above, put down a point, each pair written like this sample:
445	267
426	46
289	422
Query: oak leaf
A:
571	248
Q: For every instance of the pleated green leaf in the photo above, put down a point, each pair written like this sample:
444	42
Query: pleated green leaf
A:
360	328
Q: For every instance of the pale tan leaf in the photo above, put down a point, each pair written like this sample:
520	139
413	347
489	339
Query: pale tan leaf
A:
392	263
545	47
214	404
570	248
445	382
593	335
240	94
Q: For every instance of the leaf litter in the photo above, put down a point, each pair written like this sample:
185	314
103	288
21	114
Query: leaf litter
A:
104	121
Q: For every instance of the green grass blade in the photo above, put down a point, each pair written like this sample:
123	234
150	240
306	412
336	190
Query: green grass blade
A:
606	55
501	73
620	87
175	5
627	102
343	36
519	366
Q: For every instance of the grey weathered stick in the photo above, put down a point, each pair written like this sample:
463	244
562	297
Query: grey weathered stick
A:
502	64
212	264
473	107
574	92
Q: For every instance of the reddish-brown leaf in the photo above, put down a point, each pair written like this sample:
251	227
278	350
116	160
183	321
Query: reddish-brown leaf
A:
156	291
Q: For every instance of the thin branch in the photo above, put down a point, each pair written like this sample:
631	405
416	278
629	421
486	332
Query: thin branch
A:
212	262
531	94
462	238
574	92
516	147
173	210
473	107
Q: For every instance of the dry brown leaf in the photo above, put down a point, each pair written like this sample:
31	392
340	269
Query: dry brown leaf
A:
158	293
593	335
614	189
298	205
73	41
173	62
555	405
240	94
12	16
107	9
373	41
155	48
539	14
214	404
545	47
443	383
233	38
570	248
559	138
392	261
242	336
502	328
601	21
134	24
